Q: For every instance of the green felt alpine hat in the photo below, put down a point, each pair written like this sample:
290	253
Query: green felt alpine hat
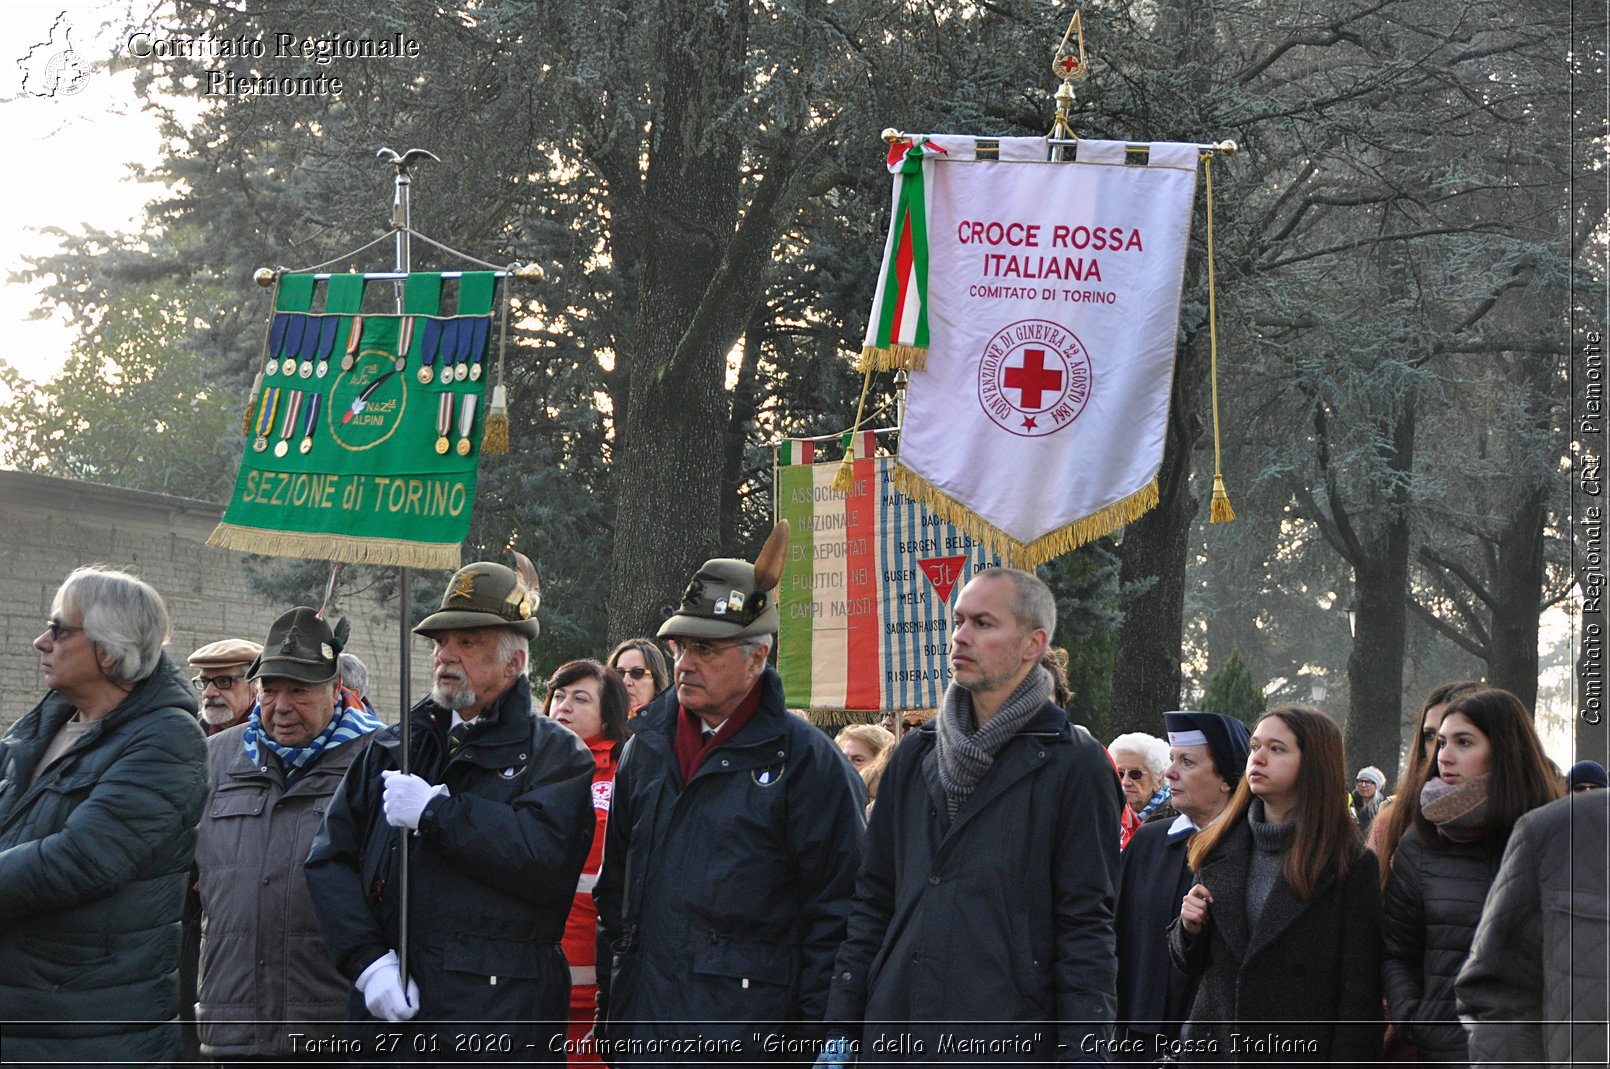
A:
301	646
485	594
731	598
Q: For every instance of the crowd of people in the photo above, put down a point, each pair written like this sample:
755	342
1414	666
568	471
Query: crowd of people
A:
659	862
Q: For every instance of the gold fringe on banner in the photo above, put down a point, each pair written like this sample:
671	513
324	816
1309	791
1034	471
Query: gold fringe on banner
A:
345	548
877	358
1064	539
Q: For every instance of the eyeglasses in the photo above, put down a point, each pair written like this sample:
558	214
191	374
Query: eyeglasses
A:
635	673
221	682
1363	783
1132	773
57	629
701	649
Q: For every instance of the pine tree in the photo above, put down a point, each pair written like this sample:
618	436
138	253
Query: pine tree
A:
1234	691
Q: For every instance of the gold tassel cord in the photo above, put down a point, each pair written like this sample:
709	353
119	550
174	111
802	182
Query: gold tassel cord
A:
1047	547
844	479
1219	511
262	361
495	435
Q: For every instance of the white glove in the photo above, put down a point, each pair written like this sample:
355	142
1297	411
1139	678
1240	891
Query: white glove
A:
382	987
406	797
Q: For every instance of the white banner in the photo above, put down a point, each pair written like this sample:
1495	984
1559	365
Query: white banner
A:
1052	304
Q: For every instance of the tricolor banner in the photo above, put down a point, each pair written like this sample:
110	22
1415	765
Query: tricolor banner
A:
364	438
867	591
1047	297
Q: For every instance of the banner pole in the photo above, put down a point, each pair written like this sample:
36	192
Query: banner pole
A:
401	224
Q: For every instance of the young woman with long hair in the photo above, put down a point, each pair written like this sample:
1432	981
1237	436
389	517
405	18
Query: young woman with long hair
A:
591	702
1392	820
1489	771
1282	927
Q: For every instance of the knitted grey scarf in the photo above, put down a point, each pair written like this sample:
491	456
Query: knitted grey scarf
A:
966	751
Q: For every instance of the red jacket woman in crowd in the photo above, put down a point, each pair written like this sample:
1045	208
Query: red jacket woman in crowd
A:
589	700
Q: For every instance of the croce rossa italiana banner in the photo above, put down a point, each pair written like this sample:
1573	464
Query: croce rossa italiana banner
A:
1037	303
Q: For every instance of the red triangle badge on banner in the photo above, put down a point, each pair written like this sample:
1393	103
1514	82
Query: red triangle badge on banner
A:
943	573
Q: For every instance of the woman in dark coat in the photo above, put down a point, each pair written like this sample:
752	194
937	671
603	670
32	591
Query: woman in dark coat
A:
1489	771
101	786
1282	929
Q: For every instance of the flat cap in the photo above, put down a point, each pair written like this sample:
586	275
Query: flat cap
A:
225	652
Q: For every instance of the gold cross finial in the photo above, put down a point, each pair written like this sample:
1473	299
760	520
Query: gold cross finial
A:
1069	65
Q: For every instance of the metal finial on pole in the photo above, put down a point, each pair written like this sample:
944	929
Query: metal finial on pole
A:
402	224
1069	65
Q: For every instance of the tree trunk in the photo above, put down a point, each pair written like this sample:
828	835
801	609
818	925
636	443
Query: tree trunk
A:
1518	590
669	469
1380	594
1146	668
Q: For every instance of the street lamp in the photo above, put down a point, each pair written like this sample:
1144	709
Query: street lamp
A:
1317	690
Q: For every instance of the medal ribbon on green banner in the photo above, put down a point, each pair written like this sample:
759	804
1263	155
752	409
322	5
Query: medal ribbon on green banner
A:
363	479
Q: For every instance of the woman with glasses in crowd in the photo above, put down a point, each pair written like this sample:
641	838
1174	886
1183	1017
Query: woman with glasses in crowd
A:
590	701
640	665
101	787
1141	760
1281	930
1489	772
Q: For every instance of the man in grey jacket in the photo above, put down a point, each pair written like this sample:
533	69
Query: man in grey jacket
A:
268	988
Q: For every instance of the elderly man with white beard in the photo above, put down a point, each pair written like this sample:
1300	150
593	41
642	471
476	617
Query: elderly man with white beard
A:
227	696
497	807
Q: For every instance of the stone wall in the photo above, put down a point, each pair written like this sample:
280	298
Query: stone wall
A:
49	526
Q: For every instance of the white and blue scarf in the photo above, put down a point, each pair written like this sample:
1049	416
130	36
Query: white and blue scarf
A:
351	721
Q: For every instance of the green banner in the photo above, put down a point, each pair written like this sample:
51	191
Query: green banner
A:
365	436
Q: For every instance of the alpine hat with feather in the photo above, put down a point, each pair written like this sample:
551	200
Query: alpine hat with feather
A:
730	598
485	594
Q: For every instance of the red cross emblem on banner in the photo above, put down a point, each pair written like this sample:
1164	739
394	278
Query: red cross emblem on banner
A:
1034	378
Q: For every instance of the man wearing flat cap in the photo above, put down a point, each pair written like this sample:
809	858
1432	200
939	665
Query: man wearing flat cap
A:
497	808
733	839
226	694
265	973
1207	756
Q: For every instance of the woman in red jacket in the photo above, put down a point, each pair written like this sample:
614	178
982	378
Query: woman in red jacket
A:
590	701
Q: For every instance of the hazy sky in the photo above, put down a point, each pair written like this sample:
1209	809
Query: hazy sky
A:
66	160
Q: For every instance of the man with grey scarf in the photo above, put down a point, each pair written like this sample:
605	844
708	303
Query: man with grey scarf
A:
983	922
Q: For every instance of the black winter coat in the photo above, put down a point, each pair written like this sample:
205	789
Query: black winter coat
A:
491	876
1154	996
1002	919
1434	896
1304	988
722	901
94	862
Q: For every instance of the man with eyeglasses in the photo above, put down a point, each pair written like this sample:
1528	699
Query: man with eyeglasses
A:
226	695
733	840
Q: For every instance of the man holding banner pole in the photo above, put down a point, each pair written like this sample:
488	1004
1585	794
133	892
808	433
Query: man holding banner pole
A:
497	806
